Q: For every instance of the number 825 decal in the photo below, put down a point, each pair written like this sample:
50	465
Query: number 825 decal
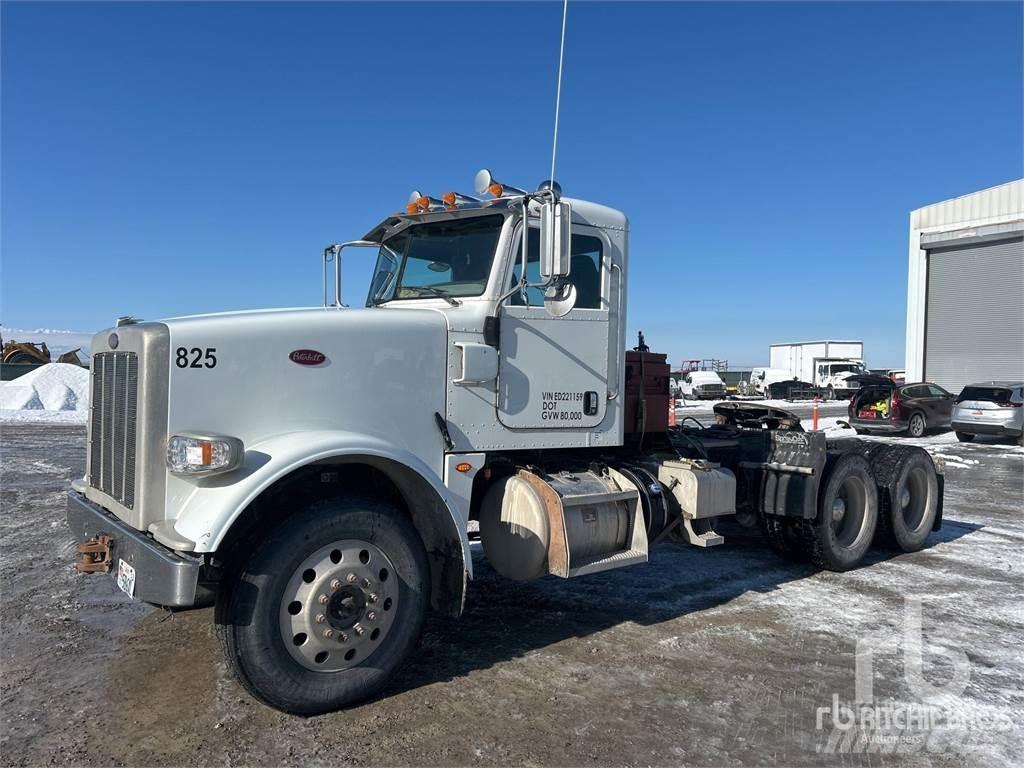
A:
195	357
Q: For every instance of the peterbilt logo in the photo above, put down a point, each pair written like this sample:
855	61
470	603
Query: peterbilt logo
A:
307	357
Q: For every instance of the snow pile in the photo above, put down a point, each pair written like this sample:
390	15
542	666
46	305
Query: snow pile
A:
54	392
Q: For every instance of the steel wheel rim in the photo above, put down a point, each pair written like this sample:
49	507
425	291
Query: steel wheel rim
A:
848	525
914	498
338	606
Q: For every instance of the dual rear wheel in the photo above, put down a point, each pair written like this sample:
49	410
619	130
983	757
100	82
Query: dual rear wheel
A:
890	494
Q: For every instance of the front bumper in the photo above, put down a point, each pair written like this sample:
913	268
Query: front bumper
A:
987	428
163	577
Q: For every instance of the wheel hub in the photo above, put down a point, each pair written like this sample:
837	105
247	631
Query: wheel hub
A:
339	605
838	509
346	607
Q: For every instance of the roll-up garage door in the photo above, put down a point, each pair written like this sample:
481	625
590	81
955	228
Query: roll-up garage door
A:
975	314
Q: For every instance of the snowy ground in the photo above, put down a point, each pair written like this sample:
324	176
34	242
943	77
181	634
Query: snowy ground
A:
710	657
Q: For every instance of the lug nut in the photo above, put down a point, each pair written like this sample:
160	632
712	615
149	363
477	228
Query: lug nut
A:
328	633
359	630
323	599
366	583
370	616
320	619
342	637
335	584
350	578
372	597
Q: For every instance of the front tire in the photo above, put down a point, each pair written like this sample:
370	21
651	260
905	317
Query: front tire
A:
964	437
838	538
327	606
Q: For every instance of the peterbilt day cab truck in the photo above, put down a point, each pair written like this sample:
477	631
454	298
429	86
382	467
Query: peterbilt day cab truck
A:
314	472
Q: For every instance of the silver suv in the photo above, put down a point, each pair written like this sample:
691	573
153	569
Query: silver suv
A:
991	408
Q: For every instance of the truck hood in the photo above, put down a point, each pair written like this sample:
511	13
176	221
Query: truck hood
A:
261	373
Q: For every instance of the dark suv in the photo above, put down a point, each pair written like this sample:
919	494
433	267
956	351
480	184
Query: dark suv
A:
882	405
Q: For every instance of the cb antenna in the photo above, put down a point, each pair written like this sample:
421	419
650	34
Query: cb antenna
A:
558	91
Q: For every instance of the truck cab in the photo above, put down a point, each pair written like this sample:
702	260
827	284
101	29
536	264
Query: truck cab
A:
834	377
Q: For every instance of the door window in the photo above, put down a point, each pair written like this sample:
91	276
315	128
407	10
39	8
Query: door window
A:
937	391
584	272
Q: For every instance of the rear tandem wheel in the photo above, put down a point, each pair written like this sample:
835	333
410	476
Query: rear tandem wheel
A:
839	537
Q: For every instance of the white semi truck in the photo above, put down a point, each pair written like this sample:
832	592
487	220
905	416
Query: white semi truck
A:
825	365
286	466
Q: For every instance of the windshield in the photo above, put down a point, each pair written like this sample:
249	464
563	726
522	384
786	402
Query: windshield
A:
851	367
443	258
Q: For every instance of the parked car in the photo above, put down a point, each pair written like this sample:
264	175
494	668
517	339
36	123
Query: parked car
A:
703	385
882	405
991	408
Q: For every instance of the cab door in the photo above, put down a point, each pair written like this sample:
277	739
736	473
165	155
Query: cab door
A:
554	372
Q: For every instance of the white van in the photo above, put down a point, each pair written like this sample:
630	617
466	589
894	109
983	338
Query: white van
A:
703	385
762	378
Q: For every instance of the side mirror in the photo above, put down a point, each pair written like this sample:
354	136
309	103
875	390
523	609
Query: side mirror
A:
555	240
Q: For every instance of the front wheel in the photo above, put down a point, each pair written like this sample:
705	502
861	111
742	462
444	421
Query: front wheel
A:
964	437
830	394
327	606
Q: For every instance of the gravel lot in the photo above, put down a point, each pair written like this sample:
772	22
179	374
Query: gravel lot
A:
716	657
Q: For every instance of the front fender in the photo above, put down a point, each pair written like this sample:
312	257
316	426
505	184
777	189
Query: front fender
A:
207	507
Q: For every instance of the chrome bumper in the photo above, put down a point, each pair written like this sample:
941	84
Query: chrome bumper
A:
163	577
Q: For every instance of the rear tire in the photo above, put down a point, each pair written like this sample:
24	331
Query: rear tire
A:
917	425
964	437
359	552
908	496
783	536
838	538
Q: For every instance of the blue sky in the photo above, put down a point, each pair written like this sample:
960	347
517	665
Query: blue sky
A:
164	159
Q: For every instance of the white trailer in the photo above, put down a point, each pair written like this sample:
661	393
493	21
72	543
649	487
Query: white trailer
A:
824	364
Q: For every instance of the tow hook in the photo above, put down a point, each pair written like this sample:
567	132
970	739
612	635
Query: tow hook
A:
96	555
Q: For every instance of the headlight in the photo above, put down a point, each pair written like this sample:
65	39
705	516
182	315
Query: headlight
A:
203	454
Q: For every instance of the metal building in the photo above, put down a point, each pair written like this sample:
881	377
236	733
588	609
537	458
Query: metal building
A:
965	289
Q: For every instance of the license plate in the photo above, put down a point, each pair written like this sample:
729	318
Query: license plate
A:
977	413
126	578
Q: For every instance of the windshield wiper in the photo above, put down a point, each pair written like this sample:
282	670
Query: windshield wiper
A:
434	291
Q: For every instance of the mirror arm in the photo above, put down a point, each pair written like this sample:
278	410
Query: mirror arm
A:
333	252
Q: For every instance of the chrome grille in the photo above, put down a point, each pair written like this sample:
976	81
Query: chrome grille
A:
115	389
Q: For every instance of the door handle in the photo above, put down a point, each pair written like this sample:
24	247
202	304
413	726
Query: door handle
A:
619	332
